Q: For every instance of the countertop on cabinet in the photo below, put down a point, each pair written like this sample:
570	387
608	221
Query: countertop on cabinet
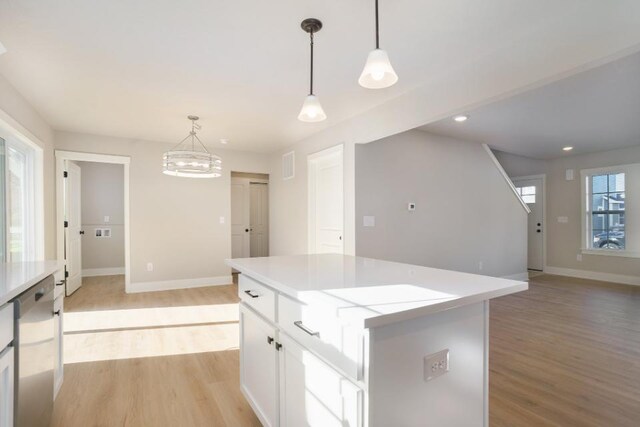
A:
372	292
17	277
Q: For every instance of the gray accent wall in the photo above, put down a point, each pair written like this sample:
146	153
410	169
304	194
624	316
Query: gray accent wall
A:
563	199
102	195
466	213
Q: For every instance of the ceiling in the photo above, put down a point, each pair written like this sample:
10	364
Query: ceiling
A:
137	68
595	110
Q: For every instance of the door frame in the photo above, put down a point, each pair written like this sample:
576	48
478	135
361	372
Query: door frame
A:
61	156
311	192
542	176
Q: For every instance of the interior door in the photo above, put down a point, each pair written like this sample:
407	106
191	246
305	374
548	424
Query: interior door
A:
7	370
73	231
259	366
326	201
240	221
259	219
531	192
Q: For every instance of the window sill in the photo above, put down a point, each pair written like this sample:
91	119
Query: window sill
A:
611	252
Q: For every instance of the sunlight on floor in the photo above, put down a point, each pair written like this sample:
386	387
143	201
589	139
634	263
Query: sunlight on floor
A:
149	332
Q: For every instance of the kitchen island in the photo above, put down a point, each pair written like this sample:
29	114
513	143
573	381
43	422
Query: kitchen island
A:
340	340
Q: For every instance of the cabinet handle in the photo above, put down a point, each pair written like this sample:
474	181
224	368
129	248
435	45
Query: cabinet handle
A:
60	283
250	294
269	340
57	312
278	346
300	325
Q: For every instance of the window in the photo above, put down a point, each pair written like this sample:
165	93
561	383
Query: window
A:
17	201
605	227
528	194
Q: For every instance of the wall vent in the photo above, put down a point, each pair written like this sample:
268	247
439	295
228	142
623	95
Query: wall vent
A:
288	165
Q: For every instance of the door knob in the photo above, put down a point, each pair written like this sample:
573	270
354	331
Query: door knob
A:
246	230
538	231
539	224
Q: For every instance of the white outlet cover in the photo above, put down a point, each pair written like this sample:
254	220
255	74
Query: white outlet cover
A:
221	220
436	364
368	221
149	266
107	218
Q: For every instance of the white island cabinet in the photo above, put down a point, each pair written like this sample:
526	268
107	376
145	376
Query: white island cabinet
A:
336	340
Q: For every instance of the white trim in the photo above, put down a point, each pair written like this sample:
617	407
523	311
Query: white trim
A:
165	285
505	176
610	252
544	210
520	276
61	156
594	275
92	272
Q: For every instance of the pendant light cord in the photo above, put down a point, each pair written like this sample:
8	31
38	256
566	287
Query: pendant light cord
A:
377	28
311	73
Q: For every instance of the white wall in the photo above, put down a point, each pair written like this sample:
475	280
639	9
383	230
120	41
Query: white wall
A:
102	194
17	113
563	199
465	211
174	221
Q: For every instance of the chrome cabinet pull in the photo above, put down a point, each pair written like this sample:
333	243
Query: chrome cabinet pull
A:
251	294
300	325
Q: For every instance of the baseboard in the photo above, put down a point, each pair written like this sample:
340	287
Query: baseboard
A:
114	271
594	275
166	285
520	276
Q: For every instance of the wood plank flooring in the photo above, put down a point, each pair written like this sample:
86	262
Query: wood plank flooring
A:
564	353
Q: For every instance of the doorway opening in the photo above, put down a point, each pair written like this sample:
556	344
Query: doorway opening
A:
92	200
326	201
249	215
532	191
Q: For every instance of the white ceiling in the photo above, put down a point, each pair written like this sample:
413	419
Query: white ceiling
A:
595	110
136	68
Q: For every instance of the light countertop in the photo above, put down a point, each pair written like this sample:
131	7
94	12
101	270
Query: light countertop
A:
17	277
372	292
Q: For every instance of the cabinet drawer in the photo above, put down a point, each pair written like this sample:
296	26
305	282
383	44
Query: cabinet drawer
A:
322	332
6	325
258	296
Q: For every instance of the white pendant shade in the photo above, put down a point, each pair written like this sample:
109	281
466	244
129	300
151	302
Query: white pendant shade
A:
311	110
378	72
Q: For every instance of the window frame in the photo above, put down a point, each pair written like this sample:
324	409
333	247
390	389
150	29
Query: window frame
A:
587	211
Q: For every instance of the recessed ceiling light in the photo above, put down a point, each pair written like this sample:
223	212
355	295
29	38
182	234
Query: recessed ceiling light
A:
567	148
224	141
460	119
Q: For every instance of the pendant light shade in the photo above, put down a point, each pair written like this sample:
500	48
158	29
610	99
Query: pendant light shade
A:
311	109
378	72
190	158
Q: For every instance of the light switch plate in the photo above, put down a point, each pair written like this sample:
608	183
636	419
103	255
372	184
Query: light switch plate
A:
436	364
563	219
368	221
106	218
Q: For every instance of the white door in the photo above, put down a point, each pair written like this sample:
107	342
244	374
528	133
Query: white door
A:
326	201
259	219
6	387
531	191
314	394
259	366
240	221
73	236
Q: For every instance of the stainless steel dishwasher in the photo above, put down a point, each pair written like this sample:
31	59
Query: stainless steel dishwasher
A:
35	351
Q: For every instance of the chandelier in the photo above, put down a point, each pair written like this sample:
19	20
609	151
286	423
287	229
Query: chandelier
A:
190	157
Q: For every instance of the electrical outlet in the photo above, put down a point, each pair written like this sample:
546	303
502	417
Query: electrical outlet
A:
221	220
579	257
149	266
436	364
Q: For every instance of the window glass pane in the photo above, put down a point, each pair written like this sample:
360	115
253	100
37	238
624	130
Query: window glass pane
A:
599	203
529	198
616	182
528	190
599	184
16	201
616	201
598	237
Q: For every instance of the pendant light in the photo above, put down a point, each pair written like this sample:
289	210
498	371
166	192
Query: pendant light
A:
378	72
311	109
190	157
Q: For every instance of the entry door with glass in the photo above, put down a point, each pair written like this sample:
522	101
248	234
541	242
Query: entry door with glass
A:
531	192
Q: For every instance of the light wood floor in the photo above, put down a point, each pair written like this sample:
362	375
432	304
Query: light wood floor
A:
564	353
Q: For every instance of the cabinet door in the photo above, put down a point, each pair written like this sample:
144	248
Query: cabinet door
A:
6	387
58	366
314	394
259	365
